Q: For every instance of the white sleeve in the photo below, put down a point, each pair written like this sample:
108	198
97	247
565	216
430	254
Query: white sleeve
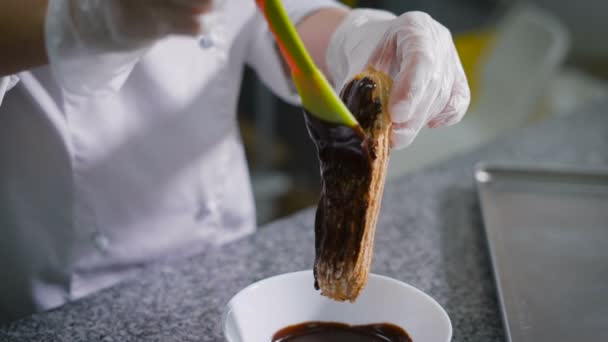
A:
6	84
263	55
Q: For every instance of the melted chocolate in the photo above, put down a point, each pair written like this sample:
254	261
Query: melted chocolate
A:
345	158
339	332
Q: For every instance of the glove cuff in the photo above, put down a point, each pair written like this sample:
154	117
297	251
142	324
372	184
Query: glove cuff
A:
349	46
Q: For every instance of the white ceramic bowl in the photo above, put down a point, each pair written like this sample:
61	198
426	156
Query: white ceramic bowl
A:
261	309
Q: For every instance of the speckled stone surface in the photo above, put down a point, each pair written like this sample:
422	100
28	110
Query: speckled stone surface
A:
429	235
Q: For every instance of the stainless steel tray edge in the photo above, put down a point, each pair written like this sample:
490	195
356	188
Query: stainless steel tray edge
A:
483	174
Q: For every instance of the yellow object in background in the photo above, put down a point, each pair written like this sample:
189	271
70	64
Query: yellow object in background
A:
472	48
350	3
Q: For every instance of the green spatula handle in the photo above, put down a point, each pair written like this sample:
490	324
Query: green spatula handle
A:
318	97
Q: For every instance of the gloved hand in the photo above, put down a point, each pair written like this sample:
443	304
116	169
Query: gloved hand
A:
92	44
128	24
430	87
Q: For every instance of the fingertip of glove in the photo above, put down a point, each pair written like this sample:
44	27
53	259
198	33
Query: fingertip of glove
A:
400	111
441	121
402	138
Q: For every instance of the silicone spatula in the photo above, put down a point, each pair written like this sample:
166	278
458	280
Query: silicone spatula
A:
318	97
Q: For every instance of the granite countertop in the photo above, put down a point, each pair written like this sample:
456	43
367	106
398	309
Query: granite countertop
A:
429	235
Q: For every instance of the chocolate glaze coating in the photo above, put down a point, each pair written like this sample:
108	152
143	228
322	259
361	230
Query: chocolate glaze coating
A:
345	157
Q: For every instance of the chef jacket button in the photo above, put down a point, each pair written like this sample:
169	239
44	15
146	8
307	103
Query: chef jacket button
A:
201	213
206	42
101	241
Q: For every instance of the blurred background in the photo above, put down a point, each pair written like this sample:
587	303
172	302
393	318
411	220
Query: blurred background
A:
526	61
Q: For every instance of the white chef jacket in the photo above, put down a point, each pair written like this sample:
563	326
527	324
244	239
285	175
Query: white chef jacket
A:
94	187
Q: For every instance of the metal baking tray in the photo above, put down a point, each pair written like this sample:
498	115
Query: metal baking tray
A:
547	232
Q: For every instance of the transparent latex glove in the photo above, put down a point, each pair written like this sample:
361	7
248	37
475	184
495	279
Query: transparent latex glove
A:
93	44
430	87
